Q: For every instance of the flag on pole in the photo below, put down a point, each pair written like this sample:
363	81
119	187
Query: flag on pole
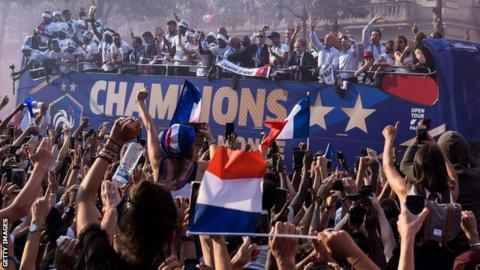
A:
230	196
189	105
295	126
329	152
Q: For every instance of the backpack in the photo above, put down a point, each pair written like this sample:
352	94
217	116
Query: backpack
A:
443	222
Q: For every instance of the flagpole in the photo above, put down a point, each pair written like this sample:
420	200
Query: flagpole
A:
308	138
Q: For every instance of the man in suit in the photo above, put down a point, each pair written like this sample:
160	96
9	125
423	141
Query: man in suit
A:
255	55
301	62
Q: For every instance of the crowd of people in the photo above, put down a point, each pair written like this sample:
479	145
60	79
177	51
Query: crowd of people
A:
63	45
60	208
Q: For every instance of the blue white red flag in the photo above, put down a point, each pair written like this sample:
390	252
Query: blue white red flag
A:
295	126
189	105
230	196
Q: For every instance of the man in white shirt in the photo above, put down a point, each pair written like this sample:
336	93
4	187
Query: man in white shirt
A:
328	55
371	38
75	28
172	32
122	47
88	52
349	58
109	52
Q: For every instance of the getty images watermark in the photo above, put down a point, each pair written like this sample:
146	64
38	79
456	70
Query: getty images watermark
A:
5	242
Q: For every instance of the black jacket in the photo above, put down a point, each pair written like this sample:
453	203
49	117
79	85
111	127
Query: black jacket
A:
307	64
245	56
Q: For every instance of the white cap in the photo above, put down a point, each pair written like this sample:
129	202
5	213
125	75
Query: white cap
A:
57	13
222	37
190	34
88	34
70	44
212	34
47	14
184	23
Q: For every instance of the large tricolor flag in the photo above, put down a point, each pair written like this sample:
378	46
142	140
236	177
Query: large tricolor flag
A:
189	105
230	196
295	126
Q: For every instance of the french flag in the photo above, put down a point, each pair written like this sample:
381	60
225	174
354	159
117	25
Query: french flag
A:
230	196
189	105
295	126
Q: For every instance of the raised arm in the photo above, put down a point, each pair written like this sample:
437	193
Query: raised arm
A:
7	119
313	36
367	30
123	130
153	145
396	181
22	203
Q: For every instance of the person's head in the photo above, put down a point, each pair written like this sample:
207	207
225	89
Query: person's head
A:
87	37
400	43
300	46
436	34
56	46
183	26
47	17
222	30
275	38
177	140
190	36
260	37
390	47
137	43
429	168
418	40
108	36
376	36
235	42
246	41
345	44
211	37
368	56
70	46
147	37
159	32
330	40
57	15
221	41
146	227
67	15
288	33
117	40
172	27
82	14
455	148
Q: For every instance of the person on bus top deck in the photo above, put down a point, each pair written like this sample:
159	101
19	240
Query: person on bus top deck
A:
372	38
423	57
403	52
174	164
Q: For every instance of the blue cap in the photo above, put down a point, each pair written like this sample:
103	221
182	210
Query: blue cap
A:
177	140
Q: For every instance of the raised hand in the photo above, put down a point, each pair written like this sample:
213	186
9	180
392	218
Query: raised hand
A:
390	132
110	195
142	95
124	130
247	252
65	255
40	209
282	248
409	224
44	154
469	226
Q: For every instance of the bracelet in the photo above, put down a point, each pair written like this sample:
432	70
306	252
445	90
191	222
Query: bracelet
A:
108	155
475	245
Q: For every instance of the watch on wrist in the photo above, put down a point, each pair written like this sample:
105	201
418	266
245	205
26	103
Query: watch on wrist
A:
33	228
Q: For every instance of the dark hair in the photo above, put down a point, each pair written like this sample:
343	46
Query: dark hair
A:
437	34
147	34
429	168
390	46
378	31
302	41
65	11
172	22
418	40
138	40
397	42
147	225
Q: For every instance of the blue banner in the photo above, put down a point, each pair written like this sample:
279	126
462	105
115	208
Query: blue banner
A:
348	123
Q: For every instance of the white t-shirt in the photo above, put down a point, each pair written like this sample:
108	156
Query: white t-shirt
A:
179	54
88	52
281	49
124	49
107	50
